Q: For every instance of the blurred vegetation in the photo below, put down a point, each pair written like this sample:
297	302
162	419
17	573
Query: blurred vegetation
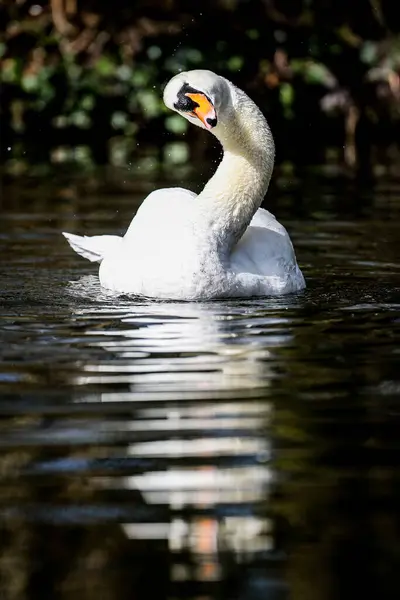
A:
81	80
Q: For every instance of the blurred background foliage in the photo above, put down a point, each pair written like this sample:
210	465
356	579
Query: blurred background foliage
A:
82	80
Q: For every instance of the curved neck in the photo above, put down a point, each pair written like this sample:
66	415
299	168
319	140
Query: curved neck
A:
236	190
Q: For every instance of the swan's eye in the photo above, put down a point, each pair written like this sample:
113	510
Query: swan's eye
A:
185	104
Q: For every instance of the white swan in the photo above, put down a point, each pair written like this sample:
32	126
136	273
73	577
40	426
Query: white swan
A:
220	243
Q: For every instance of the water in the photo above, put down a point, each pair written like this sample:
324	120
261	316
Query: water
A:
244	449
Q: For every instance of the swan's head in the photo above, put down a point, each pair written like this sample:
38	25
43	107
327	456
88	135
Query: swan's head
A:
202	97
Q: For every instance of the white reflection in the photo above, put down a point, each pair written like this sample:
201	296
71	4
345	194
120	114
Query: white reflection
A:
196	378
182	346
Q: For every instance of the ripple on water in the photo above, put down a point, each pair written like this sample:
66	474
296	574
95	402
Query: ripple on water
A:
203	439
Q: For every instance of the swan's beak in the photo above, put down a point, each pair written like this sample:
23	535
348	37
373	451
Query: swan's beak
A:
205	111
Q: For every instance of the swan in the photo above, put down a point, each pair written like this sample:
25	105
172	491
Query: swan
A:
218	244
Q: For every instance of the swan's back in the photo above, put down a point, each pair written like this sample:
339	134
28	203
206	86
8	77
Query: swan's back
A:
162	209
264	260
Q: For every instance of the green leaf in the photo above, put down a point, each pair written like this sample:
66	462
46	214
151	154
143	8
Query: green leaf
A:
87	102
154	52
9	71
176	153
286	94
194	56
318	73
119	120
176	124
81	119
105	66
369	52
124	72
140	78
235	63
150	102
30	83
253	34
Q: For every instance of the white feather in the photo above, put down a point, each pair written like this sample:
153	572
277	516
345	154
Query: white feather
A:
94	248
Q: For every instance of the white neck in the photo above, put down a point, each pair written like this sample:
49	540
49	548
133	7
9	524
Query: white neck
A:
236	190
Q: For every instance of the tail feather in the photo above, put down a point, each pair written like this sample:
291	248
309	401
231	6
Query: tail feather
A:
94	248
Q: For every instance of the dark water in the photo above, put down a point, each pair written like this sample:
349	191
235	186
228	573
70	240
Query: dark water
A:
241	449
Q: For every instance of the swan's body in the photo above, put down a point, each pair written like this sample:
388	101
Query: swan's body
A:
219	243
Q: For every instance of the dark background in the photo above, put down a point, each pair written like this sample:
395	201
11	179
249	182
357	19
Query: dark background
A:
82	80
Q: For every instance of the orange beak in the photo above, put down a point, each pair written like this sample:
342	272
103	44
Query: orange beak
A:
204	111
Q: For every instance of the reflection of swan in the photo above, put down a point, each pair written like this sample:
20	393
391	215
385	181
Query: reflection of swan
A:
194	348
220	244
196	378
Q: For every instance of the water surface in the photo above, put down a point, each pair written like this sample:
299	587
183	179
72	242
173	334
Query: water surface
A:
242	449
